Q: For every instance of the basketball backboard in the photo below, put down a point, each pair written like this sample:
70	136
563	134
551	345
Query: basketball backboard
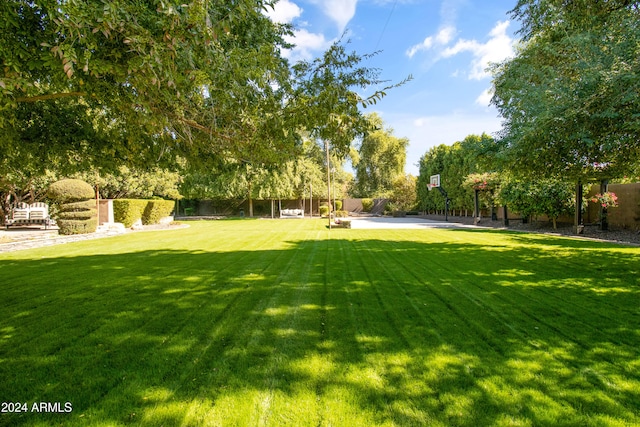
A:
434	181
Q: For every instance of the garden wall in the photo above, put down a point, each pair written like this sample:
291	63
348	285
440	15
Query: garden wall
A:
626	215
355	205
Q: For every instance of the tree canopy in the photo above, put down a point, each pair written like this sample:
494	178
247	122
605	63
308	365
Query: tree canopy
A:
165	78
96	85
380	160
570	96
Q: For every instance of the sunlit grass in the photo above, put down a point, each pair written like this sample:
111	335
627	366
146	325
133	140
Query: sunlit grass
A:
283	322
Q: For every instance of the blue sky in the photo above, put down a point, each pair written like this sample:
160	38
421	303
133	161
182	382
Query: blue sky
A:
445	45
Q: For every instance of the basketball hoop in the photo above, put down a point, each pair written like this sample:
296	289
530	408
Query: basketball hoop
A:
434	181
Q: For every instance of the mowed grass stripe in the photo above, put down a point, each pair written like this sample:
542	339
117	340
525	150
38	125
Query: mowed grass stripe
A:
236	345
64	291
490	323
286	323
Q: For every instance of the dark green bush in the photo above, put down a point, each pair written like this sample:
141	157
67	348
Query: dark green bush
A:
156	210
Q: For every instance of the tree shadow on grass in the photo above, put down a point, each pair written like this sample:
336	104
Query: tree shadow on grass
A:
341	331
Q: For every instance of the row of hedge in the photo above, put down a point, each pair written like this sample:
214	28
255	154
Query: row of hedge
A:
128	211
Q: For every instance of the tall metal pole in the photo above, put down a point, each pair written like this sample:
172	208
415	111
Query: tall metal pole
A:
326	147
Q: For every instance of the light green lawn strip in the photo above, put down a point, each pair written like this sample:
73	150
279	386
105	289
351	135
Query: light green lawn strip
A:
286	323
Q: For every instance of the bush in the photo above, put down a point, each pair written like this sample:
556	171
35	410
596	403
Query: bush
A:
324	210
367	205
76	207
341	214
156	210
338	206
128	211
77	226
70	190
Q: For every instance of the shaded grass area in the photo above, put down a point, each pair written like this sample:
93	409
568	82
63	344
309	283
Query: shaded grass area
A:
286	323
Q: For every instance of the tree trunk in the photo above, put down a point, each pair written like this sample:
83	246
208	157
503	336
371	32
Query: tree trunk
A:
250	201
578	225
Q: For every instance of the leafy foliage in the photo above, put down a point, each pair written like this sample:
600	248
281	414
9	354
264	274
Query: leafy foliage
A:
569	97
549	197
454	164
381	160
403	195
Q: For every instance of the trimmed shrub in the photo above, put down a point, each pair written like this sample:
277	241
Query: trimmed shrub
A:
77	212
324	210
128	211
338	205
341	214
156	210
77	226
70	190
367	205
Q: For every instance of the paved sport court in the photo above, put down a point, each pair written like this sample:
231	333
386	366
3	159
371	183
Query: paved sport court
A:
400	223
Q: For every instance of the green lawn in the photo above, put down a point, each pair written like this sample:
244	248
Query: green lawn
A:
263	322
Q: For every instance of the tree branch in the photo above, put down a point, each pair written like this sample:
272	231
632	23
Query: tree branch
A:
50	96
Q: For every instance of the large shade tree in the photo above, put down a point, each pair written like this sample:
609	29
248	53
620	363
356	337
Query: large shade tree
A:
380	160
570	96
101	84
175	77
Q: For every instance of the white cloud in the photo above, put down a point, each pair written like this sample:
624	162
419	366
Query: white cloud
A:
496	49
340	11
485	97
425	132
284	11
442	37
306	44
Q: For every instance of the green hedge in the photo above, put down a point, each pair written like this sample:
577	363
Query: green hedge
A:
128	211
367	205
77	226
156	210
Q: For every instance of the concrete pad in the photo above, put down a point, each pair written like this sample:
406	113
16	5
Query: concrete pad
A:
401	223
